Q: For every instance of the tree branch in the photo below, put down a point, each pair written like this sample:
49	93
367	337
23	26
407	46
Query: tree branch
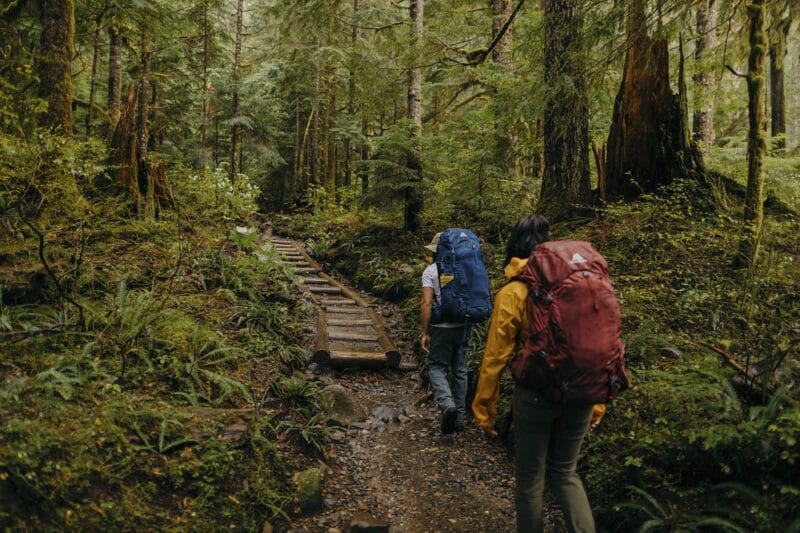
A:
735	72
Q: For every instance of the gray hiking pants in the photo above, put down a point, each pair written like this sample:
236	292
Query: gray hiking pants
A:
548	437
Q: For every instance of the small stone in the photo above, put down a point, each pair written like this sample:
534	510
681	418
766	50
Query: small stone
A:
366	523
337	436
403	419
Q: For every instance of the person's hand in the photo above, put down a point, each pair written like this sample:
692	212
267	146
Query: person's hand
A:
488	429
426	342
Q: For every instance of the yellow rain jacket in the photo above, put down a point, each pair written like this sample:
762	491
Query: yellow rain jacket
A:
506	337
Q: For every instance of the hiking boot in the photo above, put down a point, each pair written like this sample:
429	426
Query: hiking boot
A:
459	425
449	417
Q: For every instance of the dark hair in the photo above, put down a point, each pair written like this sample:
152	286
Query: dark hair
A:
528	232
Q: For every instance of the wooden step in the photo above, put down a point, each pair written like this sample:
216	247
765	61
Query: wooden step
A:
337	301
349	323
349	336
325	290
313	281
303	268
357	359
349	310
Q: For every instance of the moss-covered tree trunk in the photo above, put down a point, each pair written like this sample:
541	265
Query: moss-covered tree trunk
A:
756	145
777	93
648	144
237	61
146	196
114	74
204	99
55	63
565	184
313	160
703	122
413	192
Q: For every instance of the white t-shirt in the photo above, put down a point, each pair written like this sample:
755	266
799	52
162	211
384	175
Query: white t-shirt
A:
430	279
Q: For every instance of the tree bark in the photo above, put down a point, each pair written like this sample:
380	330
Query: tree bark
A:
649	144
756	145
501	12
413	193
777	93
146	189
565	185
93	77
204	105
114	74
351	99
703	122
315	126
57	18
237	60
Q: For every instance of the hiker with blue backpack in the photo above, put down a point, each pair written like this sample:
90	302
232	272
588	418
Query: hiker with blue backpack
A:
455	295
556	325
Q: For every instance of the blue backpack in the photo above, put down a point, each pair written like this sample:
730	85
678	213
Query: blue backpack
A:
463	279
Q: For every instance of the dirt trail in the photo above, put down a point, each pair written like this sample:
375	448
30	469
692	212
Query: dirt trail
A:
392	466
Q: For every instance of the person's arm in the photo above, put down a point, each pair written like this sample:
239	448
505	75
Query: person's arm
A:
425	317
509	308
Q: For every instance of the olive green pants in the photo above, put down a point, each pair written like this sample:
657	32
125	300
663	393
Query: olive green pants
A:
548	438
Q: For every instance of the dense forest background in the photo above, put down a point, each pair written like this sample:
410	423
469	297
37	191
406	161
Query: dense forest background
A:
145	144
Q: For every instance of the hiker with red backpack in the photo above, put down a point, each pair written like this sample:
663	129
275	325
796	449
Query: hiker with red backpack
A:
556	324
455	295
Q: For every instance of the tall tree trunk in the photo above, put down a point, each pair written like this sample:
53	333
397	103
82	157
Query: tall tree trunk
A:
237	60
57	18
114	74
565	184
296	180
703	122
756	145
413	193
204	105
93	77
146	187
351	99
315	126
331	183
777	93
363	169
501	12
649	144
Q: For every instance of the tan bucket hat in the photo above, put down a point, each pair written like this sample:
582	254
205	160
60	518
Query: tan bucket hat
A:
434	243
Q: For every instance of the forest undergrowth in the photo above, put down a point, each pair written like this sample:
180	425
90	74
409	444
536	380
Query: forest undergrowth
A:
147	365
696	444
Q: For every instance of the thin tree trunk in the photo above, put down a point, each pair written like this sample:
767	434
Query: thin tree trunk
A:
501	12
93	77
756	145
565	184
351	99
114	74
146	188
298	147
237	59
316	126
703	122
413	193
777	93
364	170
331	182
57	18
204	159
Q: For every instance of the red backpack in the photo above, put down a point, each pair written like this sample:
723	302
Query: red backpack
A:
574	352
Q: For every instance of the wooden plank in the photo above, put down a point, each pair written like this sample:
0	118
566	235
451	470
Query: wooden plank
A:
352	337
315	281
350	310
351	323
337	301
322	347
325	290
371	360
